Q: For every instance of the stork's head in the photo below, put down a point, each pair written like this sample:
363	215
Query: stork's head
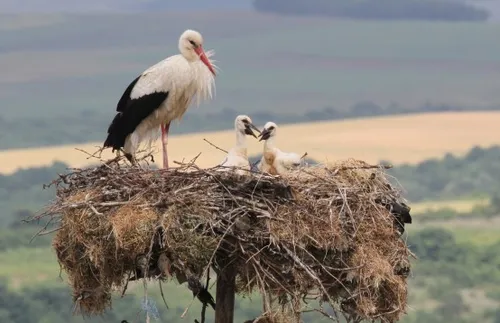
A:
244	125
191	47
269	131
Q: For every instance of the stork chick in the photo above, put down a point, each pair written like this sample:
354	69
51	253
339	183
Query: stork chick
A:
237	156
274	161
160	95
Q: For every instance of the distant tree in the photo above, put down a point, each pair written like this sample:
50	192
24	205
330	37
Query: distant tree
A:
478	172
496	318
366	108
452	308
433	244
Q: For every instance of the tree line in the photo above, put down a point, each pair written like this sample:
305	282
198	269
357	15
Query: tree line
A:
91	125
477	173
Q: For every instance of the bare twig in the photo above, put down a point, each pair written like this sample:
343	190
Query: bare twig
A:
216	147
204	305
162	294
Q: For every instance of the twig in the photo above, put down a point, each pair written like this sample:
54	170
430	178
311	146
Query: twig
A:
217	147
364	167
319	311
187	308
189	164
91	155
126	285
146	299
42	233
162	295
204	305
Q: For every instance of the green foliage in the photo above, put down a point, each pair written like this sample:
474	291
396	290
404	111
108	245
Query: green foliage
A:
381	9
15	237
494	294
478	172
22	192
465	265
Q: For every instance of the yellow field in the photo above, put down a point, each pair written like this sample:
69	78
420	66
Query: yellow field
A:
398	139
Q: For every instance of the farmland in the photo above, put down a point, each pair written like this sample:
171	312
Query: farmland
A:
341	71
67	71
399	139
62	75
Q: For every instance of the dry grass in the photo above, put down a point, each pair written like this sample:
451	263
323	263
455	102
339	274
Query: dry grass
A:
399	139
324	233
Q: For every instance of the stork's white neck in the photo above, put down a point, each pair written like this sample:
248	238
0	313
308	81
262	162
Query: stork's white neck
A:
269	144
241	140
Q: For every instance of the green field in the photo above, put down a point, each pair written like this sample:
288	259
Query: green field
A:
80	63
29	267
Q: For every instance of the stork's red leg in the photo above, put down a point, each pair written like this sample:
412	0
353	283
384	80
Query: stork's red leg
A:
164	141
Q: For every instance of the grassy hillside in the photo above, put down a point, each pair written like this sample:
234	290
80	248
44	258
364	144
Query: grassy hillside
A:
400	139
455	276
83	62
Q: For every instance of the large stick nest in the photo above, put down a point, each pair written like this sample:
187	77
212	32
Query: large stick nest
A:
326	233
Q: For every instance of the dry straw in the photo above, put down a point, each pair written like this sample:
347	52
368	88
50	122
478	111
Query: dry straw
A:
320	235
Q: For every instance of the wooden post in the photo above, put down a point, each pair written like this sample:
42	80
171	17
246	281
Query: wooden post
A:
226	289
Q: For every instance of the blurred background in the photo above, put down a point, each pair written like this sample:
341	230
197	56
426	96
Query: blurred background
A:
412	82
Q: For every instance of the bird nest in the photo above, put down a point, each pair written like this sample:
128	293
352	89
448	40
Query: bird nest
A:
326	234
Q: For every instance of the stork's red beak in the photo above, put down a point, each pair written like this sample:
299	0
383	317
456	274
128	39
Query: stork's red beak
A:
201	53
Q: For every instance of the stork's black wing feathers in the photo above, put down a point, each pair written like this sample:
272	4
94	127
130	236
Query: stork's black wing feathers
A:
131	112
125	100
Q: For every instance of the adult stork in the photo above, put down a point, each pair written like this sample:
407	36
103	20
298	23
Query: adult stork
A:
161	94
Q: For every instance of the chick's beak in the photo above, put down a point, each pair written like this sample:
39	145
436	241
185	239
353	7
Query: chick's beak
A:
264	135
248	130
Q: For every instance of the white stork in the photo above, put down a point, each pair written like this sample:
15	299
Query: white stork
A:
274	161
237	156
161	94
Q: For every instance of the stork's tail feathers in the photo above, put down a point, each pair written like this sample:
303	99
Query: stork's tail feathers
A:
116	135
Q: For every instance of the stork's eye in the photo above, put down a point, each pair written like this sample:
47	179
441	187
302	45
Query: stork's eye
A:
245	121
271	128
192	43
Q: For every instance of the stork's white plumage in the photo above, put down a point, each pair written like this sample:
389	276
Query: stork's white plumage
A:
237	157
160	95
274	161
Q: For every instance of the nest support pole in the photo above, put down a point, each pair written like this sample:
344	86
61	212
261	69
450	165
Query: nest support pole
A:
225	294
